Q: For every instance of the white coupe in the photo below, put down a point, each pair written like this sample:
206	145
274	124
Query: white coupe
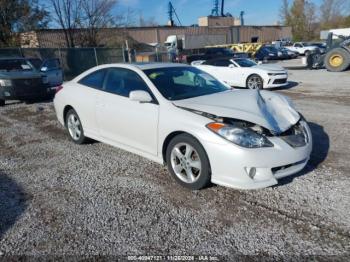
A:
181	116
243	72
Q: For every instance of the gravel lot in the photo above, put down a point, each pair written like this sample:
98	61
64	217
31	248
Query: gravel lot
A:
59	198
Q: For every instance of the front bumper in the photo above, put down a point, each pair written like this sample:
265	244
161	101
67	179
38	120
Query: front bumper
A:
21	93
230	164
276	81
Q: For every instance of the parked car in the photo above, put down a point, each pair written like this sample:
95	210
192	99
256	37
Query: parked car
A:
51	68
243	72
291	54
321	46
302	48
19	80
215	52
179	115
266	53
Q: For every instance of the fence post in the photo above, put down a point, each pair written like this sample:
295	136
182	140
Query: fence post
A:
20	52
157	54
123	53
96	56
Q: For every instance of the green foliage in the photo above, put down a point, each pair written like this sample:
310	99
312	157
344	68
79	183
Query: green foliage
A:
18	16
301	15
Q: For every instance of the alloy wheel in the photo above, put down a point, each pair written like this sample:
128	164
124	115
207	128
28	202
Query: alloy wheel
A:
74	127
255	82
186	163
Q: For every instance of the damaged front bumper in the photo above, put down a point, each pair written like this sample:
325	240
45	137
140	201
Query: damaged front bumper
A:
243	168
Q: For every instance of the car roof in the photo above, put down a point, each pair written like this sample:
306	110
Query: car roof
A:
145	66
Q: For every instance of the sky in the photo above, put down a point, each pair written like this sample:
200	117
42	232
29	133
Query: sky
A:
257	12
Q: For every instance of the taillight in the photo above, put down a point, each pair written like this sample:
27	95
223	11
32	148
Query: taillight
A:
59	88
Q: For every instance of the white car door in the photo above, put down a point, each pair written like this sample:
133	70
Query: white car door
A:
123	121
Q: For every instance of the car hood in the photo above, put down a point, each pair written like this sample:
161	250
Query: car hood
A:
20	74
270	110
270	67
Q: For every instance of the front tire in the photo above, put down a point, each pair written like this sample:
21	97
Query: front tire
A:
337	60
74	127
188	162
255	82
2	102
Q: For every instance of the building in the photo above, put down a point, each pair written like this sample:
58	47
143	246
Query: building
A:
54	38
214	21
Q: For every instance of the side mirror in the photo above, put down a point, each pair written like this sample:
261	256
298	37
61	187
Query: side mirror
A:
260	63
140	96
44	69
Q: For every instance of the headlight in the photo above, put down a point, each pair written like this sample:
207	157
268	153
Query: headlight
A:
5	82
244	137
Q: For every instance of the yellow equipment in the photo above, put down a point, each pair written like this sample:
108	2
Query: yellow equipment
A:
251	48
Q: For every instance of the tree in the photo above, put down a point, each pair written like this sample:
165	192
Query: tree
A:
334	13
96	15
20	15
143	22
285	13
67	14
301	16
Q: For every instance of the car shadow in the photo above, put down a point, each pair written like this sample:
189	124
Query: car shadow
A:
13	202
318	155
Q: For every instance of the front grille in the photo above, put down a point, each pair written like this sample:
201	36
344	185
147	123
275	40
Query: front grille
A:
282	168
280	81
25	87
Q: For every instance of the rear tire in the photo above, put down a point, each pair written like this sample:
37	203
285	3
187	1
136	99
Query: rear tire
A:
2	102
74	127
188	162
337	60
255	82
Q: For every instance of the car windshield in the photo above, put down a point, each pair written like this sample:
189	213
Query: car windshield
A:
15	65
306	44
176	83
228	52
36	62
271	49
245	62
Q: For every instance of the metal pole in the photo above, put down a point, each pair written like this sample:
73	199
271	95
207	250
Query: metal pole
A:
95	56
20	51
123	53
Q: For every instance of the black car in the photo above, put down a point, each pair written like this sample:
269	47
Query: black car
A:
19	80
270	53
214	52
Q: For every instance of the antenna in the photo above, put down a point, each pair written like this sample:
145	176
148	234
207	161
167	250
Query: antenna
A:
215	10
171	12
242	17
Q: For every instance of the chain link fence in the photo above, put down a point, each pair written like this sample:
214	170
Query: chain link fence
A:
73	61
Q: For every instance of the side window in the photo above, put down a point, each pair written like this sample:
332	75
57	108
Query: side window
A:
94	80
122	81
52	64
298	45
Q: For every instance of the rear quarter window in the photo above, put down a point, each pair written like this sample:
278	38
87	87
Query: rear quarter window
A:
94	80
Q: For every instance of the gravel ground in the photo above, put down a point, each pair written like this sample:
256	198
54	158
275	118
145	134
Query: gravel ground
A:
59	198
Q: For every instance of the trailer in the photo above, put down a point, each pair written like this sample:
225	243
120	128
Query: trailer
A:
190	42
